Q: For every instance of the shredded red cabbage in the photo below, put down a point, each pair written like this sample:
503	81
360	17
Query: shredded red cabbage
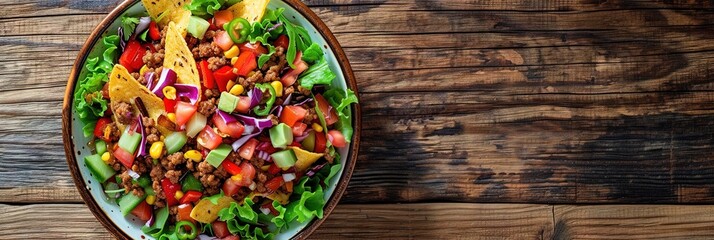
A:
142	144
167	78
315	169
242	140
287	99
188	91
255	96
143	25
260	123
227	118
150	81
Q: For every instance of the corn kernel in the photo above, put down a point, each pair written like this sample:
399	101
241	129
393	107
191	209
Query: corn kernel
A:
178	195
278	86
193	155
143	70
169	92
157	148
106	156
317	127
265	167
230	85
151	199
237	177
171	116
234	60
232	52
237	89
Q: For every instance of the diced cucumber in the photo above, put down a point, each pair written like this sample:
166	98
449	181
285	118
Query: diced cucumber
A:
281	135
128	202
100	146
284	159
227	102
197	27
216	156
129	141
175	141
99	168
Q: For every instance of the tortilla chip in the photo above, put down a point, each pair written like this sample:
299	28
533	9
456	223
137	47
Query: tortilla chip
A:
124	88
167	11
251	10
180	59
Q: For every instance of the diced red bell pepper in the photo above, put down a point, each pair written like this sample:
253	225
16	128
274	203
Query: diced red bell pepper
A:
282	41
222	76
231	167
191	197
320	142
274	169
170	105
142	211
256	48
154	32
274	183
245	63
101	125
292	115
206	75
132	58
170	189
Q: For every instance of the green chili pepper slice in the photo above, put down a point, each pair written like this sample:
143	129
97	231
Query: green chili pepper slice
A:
238	26
268	104
181	232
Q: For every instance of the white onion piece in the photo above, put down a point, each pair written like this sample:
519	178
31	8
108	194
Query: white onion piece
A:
252	186
289	177
265	211
133	174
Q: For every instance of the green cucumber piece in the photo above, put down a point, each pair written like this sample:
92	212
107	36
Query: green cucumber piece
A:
175	141
284	159
100	146
197	27
129	141
216	156
191	183
99	168
227	102
128	202
281	135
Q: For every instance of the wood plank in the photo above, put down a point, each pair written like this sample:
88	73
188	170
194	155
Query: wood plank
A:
634	222
388	221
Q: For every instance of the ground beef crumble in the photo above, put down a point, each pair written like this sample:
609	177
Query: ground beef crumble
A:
123	112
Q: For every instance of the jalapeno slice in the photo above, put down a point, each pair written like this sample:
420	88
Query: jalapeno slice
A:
238	29
181	232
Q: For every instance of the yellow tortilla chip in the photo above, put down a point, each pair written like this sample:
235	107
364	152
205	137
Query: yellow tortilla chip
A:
166	11
251	10
305	158
180	59
124	88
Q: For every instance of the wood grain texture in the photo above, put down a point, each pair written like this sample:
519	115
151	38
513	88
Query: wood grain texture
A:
552	102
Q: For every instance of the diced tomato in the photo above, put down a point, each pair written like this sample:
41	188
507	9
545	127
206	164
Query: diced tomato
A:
320	142
230	187
336	138
223	40
126	158
282	41
183	213
206	75
327	110
234	129
170	189
222	17
132	58
299	128
170	105
208	138
274	169
101	125
274	183
247	171
222	76
154	33
266	147
190	196
257	49
231	167
292	115
291	76
246	151
184	112
142	211
243	104
245	63
220	229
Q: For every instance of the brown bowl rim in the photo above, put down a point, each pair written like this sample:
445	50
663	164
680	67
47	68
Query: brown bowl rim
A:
301	8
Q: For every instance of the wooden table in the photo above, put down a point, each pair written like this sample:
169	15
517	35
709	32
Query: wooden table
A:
482	119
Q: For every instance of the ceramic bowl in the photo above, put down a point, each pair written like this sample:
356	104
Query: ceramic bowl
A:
77	146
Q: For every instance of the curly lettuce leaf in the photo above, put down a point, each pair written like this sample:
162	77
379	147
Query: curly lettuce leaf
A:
299	39
88	98
319	73
242	219
265	30
204	8
265	57
279	221
313	53
341	100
